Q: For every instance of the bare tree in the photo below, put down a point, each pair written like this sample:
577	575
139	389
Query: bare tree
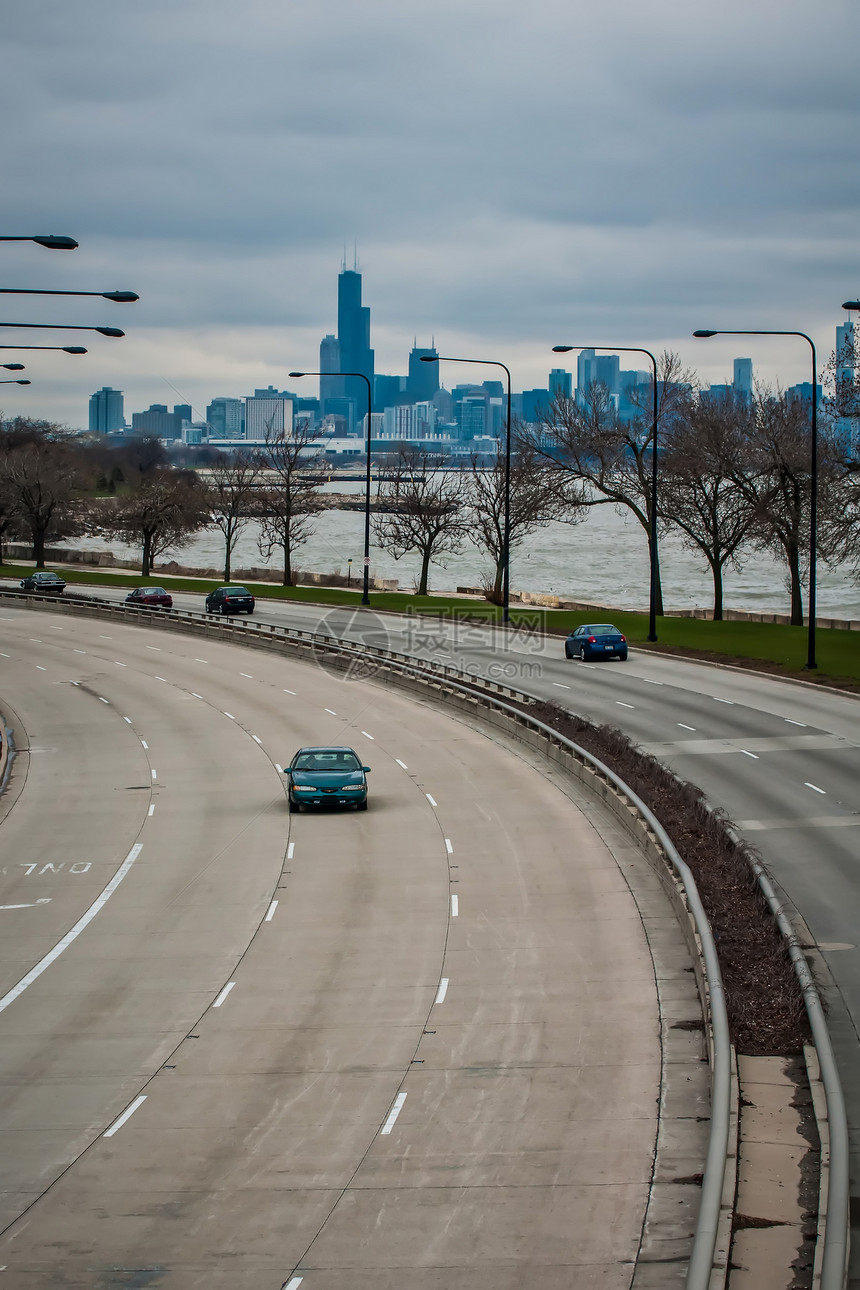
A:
538	494
612	459
41	473
161	514
231	494
699	489
289	496
427	512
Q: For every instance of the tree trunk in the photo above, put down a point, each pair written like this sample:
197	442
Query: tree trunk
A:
425	570
793	556
146	559
227	554
288	565
498	581
39	547
717	571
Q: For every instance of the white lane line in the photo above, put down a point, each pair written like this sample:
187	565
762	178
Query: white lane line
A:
128	719
126	1115
161	678
289	691
55	629
201	660
118	664
144	743
75	932
229	714
195	695
70	682
394	1112
683	727
619	704
279	769
223	995
39	668
35	640
290	850
157	648
590	666
80	651
247	675
293	1283
455	906
795	723
807	784
4	654
401	763
333	713
649	682
366	735
151	810
153	773
431	800
558	685
105	638
749	754
101	700
256	739
728	701
448	847
43	900
442	991
270	912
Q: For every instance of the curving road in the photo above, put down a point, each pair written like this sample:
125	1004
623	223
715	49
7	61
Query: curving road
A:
418	1046
782	758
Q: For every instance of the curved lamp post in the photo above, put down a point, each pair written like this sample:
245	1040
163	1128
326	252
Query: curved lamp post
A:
121	297
705	334
66	349
506	527
104	331
365	594
652	544
51	240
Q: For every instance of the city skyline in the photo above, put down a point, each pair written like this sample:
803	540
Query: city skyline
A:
602	174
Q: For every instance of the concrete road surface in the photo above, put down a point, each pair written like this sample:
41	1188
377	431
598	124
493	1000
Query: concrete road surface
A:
415	1047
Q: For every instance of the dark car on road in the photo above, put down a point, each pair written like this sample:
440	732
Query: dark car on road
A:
230	600
154	597
43	580
596	640
327	777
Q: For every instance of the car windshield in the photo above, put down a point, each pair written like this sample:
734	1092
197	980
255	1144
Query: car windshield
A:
152	591
327	759
603	629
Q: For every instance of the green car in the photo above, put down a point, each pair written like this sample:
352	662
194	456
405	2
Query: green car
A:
327	777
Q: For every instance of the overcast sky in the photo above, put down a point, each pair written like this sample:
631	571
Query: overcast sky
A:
514	175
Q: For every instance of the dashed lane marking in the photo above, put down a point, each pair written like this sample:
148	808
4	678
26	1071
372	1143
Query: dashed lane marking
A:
443	990
814	787
126	1115
431	800
394	1112
455	906
270	912
401	763
223	995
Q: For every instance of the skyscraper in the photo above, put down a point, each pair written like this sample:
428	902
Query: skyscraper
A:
353	334
742	378
560	383
106	411
423	380
331	387
226	418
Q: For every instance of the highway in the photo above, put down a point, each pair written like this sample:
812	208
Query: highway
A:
418	1046
781	758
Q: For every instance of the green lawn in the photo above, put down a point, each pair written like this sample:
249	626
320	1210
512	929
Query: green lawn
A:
779	648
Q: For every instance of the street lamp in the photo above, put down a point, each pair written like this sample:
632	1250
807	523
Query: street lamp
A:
652	536
506	535
121	297
105	331
705	334
66	349
13	367
50	240
365	594
14	382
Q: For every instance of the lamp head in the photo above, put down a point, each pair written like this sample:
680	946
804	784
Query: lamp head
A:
14	367
121	297
109	331
55	243
562	349
429	358
73	349
703	334
22	382
851	304
296	374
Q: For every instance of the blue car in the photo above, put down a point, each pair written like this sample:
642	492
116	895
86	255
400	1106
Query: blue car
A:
327	777
596	640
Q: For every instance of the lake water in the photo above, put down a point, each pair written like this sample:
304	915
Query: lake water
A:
602	559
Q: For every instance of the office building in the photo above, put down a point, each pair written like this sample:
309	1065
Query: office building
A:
157	422
353	334
423	379
268	413
226	418
560	384
742	378
534	405
184	411
598	369
106	411
331	385
388	391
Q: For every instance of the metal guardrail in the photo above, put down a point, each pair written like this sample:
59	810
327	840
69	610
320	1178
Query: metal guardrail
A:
704	1242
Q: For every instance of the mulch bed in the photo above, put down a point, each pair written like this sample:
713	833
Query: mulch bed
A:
763	998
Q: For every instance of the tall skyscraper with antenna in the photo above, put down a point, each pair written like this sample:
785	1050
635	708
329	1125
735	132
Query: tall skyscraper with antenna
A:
353	334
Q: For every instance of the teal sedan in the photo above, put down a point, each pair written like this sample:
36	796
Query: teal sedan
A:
327	777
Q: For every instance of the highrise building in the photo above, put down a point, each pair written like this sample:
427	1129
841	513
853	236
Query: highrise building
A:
157	422
353	334
598	369
560	383
226	418
106	411
184	410
331	386
423	379
268	414
742	378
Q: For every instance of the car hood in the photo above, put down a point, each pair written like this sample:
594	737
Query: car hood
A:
327	778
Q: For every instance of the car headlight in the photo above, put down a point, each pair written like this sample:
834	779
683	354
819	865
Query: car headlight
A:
353	788
304	788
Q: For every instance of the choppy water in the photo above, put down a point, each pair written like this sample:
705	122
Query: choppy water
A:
602	559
